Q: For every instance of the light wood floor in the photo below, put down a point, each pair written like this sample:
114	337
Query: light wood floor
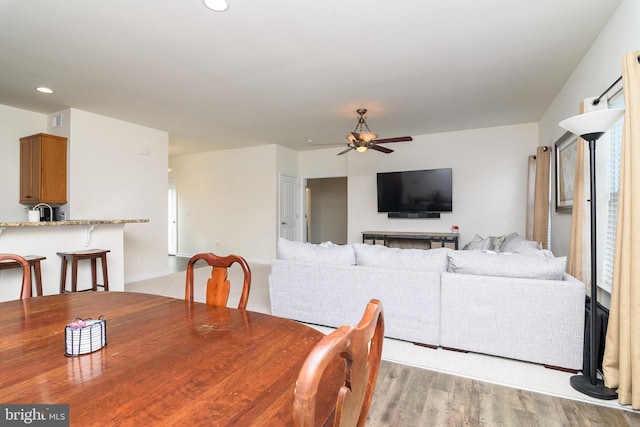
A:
408	396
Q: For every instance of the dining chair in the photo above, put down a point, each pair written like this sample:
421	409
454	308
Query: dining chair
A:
361	349
25	292
218	286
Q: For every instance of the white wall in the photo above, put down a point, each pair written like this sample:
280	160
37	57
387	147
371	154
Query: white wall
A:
227	201
599	68
118	170
489	180
108	179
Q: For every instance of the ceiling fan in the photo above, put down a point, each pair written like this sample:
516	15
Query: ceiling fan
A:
362	141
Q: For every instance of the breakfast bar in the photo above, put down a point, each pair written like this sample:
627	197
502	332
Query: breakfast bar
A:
48	238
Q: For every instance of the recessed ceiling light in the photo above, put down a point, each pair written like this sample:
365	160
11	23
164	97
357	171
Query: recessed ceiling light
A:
43	89
217	5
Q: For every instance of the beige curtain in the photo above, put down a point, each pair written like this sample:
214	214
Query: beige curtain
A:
621	363
574	258
531	192
541	197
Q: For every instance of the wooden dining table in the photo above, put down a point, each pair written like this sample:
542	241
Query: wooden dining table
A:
166	362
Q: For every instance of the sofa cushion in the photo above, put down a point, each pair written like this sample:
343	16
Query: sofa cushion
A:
428	260
507	265
327	253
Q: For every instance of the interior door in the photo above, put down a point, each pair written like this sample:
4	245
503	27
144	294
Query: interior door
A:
173	225
288	207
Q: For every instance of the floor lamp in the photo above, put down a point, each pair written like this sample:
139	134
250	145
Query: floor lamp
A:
591	126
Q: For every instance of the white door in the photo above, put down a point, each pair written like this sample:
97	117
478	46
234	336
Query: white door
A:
288	207
173	226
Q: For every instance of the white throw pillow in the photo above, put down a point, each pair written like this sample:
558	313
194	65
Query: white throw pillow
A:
491	243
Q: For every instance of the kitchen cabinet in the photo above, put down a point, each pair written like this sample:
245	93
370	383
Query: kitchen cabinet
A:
43	169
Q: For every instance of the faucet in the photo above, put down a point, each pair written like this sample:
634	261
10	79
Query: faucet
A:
44	204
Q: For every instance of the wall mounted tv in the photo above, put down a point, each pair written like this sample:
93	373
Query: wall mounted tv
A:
415	191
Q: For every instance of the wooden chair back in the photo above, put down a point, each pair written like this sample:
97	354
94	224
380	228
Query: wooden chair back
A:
361	349
218	286
25	292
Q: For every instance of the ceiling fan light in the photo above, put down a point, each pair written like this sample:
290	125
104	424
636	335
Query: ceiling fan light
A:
362	148
365	136
350	138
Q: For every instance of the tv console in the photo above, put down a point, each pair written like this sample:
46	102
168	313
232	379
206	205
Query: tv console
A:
410	240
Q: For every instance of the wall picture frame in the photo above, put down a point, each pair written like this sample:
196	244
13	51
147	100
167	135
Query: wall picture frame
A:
566	150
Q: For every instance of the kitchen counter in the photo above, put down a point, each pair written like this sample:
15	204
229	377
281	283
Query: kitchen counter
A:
50	237
70	222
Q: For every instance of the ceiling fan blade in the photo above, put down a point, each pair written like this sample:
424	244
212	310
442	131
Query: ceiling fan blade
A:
397	139
346	151
381	149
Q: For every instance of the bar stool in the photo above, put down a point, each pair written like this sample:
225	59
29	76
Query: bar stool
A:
74	257
34	262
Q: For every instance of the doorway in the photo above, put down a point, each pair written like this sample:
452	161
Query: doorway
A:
326	210
173	224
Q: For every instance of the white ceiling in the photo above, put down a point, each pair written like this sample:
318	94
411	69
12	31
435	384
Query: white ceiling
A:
286	71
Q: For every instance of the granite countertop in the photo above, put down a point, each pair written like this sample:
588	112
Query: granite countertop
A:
71	222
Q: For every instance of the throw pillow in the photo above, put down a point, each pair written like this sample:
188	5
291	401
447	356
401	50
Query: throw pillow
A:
529	247
511	241
514	243
507	265
476	244
319	254
491	243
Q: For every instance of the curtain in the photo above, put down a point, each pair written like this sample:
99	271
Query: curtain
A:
575	256
541	197
621	365
531	190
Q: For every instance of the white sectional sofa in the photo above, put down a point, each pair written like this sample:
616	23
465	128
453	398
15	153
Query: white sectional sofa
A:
519	305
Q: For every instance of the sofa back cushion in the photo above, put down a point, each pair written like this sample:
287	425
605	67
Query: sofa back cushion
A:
428	260
328	253
507	265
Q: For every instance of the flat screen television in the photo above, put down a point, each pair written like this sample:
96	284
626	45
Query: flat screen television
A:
415	191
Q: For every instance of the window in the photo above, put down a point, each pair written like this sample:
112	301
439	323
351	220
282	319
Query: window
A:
608	192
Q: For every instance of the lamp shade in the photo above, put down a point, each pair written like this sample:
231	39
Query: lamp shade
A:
593	123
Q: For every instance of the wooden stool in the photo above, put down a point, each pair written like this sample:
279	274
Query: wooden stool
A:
34	262
74	257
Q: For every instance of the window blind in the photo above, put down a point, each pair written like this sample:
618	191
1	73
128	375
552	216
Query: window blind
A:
615	135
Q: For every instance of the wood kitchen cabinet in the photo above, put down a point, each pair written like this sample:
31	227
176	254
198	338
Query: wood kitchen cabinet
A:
43	169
